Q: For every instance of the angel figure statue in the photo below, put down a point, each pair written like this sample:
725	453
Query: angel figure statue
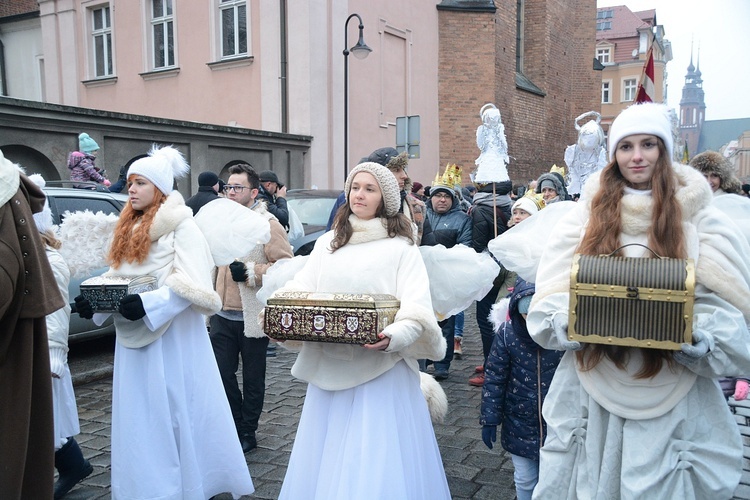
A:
491	164
588	155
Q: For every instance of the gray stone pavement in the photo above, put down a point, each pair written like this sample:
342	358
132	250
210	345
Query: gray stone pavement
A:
473	471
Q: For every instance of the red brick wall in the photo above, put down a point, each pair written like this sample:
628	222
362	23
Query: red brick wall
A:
16	7
560	38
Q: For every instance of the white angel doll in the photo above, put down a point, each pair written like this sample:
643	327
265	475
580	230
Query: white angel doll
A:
588	155
491	164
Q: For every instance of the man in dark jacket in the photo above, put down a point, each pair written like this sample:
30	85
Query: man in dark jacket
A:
273	192
208	188
450	227
489	217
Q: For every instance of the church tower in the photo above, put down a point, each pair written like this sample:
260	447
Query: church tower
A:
692	107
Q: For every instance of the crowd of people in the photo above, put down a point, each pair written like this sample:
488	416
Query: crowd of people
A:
579	419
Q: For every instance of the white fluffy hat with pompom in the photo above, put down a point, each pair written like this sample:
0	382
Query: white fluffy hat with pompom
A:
42	219
162	166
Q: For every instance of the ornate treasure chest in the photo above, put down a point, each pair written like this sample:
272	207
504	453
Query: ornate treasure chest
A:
637	302
348	318
105	292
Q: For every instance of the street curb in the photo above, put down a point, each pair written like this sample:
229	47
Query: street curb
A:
92	375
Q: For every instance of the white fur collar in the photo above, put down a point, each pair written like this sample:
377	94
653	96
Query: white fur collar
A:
9	180
367	230
169	216
693	194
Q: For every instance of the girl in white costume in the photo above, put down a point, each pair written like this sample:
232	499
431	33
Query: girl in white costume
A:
365	431
643	423
173	436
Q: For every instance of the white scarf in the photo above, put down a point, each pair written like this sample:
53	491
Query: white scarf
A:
367	230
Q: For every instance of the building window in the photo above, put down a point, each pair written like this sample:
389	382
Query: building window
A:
605	14
604	25
233	18
101	33
519	35
628	89
607	92
604	55
162	30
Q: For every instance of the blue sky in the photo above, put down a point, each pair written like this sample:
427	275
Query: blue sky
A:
721	29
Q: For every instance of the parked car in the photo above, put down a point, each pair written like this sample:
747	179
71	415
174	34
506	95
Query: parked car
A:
313	207
64	198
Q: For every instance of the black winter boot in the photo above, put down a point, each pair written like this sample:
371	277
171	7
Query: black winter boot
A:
72	467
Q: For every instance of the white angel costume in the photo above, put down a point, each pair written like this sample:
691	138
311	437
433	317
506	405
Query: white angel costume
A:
173	435
611	435
365	431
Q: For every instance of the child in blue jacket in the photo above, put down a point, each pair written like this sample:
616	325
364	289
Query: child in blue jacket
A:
517	376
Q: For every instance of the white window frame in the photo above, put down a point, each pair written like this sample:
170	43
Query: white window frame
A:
235	6
603	25
165	22
607	91
629	88
105	33
604	54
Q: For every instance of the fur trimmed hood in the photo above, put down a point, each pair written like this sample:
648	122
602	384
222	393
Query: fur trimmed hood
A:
711	162
169	216
693	195
10	179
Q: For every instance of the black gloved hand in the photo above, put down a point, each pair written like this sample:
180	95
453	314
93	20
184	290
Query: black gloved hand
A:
131	307
239	271
489	435
82	307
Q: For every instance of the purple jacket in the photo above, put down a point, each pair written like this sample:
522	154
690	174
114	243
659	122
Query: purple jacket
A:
82	169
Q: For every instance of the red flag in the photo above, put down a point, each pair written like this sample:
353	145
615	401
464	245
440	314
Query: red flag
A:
646	88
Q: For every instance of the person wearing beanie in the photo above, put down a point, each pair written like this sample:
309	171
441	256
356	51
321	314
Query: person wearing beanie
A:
551	186
353	389
169	411
69	461
208	189
82	165
718	172
411	206
605	401
525	207
234	330
273	193
451	227
417	190
29	294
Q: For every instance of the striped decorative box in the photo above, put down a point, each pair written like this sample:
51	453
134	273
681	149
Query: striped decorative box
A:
637	302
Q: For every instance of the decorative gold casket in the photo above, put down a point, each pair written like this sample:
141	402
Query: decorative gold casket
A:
637	302
346	318
105	292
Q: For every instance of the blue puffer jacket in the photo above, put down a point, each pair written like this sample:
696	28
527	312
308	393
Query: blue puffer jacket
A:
516	379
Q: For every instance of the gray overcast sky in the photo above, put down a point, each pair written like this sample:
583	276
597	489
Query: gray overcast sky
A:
721	28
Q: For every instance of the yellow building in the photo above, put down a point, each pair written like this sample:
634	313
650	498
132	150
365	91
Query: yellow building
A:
623	39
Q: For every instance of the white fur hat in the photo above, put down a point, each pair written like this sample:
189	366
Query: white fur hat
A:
387	182
646	118
42	219
162	166
525	203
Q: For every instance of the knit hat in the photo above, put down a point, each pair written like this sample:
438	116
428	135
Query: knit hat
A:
43	219
646	118
86	143
162	166
523	304
526	204
387	182
208	179
416	187
711	162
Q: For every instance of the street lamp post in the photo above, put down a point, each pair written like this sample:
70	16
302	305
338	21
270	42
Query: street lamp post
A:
360	51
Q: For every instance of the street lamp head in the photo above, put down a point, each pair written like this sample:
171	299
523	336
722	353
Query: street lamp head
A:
361	50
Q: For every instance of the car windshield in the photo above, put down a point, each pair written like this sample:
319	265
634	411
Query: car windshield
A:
312	211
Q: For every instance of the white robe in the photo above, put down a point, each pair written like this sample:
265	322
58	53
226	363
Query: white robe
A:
598	445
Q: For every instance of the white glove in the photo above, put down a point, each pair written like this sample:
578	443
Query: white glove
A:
692	353
560	327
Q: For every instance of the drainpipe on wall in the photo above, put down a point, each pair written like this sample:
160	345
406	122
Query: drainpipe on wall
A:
284	65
